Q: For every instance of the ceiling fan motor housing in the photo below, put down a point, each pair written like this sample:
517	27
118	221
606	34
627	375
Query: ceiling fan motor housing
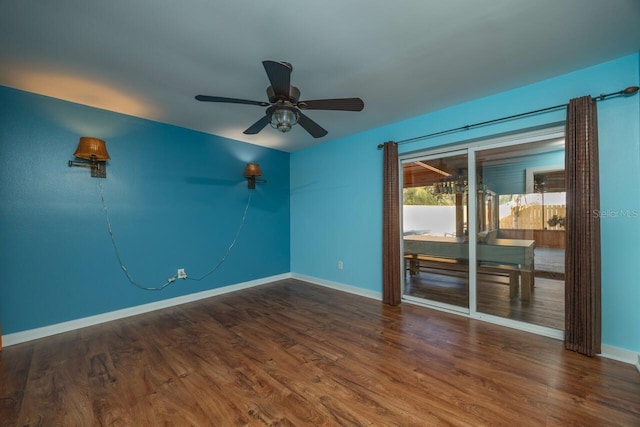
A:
294	95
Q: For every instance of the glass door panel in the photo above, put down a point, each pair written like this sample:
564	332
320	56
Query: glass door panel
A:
435	233
521	206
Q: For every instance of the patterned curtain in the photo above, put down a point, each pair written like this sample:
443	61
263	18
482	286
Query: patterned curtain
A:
582	258
391	268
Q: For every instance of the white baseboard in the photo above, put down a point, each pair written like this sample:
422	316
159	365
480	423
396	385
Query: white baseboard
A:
621	355
33	334
339	286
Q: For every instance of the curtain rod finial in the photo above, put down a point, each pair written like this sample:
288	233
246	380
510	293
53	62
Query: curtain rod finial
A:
630	90
381	146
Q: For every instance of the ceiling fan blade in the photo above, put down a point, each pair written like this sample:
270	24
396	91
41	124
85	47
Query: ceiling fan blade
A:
279	74
207	98
310	126
342	104
257	126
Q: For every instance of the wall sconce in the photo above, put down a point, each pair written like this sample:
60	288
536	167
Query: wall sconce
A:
94	151
251	172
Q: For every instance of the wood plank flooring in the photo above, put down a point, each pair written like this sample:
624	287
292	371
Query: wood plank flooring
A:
291	353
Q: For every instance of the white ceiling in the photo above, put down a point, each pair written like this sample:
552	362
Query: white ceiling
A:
404	58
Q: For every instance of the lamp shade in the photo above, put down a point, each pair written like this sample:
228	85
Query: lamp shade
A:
88	147
252	170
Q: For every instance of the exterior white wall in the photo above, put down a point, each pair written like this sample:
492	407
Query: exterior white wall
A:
434	220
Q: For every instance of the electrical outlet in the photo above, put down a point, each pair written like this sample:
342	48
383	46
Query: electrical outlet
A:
182	274
340	265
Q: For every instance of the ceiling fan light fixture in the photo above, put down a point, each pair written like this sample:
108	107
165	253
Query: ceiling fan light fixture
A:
283	119
284	109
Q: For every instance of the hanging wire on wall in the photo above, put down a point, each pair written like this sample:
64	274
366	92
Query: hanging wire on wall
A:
173	278
233	243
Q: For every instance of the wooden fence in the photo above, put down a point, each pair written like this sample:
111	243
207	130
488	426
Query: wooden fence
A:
534	217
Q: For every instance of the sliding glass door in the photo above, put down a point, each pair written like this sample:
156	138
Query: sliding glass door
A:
435	234
521	205
483	230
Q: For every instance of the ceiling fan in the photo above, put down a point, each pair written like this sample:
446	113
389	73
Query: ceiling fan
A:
284	110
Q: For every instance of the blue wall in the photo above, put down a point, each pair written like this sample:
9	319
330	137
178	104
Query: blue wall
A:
336	188
175	197
335	212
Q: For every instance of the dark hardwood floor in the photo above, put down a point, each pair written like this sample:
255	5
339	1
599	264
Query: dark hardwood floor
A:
290	353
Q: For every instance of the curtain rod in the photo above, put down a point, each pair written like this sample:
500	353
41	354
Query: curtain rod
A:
631	90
